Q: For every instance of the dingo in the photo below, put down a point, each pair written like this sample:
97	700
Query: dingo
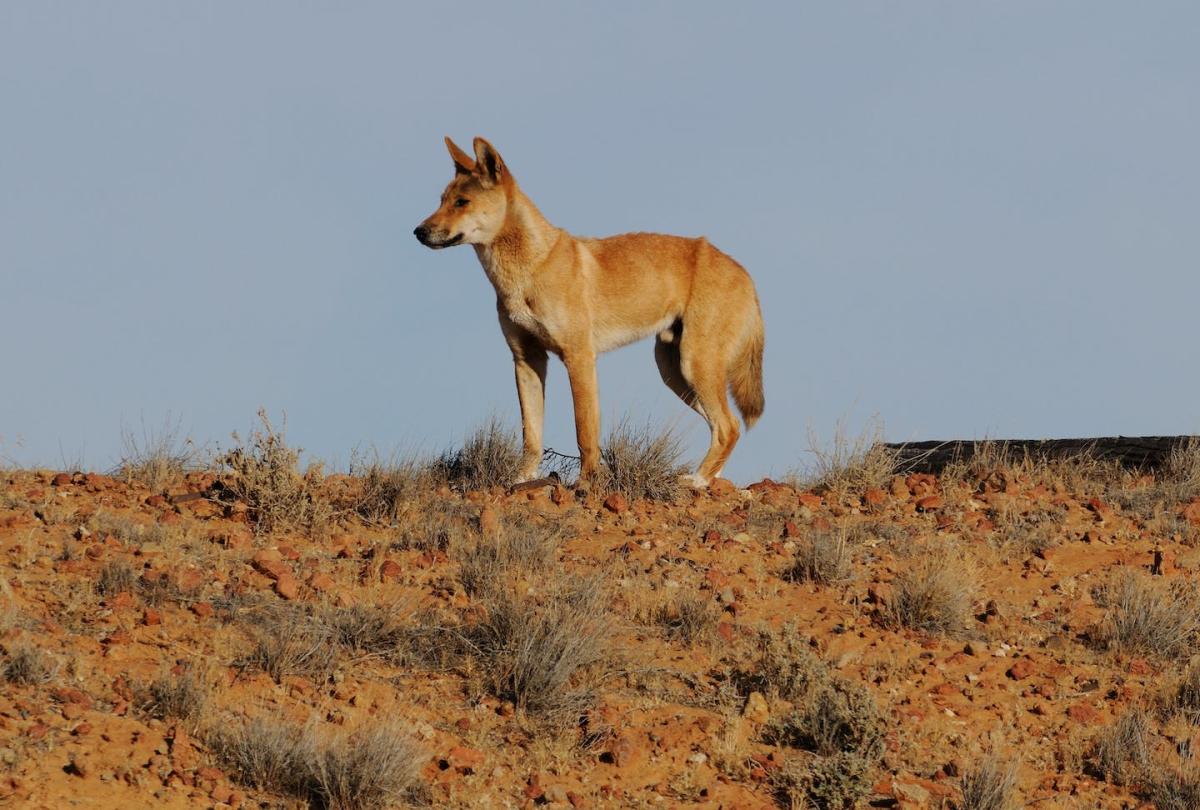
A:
578	297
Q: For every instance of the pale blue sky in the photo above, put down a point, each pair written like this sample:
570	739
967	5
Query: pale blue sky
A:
968	218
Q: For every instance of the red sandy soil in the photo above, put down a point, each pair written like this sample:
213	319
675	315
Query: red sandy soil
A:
1025	677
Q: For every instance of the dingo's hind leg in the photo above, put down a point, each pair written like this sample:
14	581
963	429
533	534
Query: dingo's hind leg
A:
704	369
666	355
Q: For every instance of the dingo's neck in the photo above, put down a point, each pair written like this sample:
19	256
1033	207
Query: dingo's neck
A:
521	247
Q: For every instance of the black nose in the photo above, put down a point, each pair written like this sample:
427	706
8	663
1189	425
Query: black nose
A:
421	232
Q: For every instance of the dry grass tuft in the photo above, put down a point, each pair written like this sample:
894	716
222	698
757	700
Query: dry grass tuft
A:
1173	788
263	473
689	618
989	785
850	464
374	766
490	457
181	697
158	457
115	577
433	523
823	557
933	596
291	640
390	487
28	665
642	462
834	727
1122	752
1148	616
533	651
517	548
1180	476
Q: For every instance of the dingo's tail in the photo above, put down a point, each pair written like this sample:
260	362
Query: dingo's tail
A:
746	376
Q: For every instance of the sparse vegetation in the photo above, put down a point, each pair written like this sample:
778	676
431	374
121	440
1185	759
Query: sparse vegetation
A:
850	464
180	697
517	547
688	618
117	576
1173	787
263	473
158	457
392	487
531	651
27	665
934	595
490	457
374	766
1122	752
290	640
989	785
642	462
1148	616
822	557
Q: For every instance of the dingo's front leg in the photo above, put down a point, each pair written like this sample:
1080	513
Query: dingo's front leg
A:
529	364
581	368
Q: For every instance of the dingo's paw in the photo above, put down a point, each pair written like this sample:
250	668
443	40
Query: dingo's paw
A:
694	480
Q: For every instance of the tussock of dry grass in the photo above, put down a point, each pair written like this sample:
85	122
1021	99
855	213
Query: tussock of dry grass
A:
850	464
689	618
834	729
290	640
181	697
642	462
1173	787
532	651
391	487
27	665
115	577
159	457
933	596
1122	751
989	785
263	473
823	557
1148	616
519	547
375	766
490	457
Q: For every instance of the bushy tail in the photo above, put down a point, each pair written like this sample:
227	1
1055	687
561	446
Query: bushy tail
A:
746	377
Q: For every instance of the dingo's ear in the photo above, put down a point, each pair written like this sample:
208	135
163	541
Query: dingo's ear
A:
462	161
488	163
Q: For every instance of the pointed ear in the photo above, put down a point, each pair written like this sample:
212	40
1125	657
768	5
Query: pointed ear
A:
488	163
462	161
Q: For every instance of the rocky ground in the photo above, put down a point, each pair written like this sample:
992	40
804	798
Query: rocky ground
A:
913	642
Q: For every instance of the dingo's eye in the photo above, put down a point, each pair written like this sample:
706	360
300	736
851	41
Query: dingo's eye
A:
461	202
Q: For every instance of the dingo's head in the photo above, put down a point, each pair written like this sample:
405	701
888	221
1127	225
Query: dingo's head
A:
475	203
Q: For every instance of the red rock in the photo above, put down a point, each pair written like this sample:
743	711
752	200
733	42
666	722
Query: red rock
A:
577	801
625	750
725	631
464	758
202	609
205	772
1140	666
874	497
1191	512
157	501
533	788
810	499
82	730
190	580
712	537
390	570
790	529
616	503
322	583
60	480
152	617
220	793
929	503
1021	669
716	578
269	563
71	711
122	600
1084	714
287	586
289	553
720	488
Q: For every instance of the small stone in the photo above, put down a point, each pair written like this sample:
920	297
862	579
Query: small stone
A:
322	583
616	503
720	487
152	617
929	503
202	609
287	586
1021	669
756	709
390	570
60	480
1083	714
